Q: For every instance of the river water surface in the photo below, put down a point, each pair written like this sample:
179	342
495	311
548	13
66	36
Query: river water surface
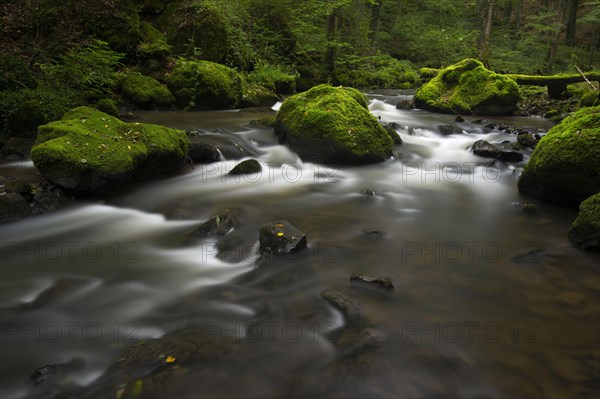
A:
489	301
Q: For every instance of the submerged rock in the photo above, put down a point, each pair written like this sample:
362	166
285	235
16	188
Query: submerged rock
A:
220	224
564	168
281	237
468	88
376	282
246	167
88	151
585	230
332	125
353	313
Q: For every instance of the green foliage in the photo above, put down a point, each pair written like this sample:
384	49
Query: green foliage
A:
22	111
205	85
276	78
15	73
565	166
153	46
146	92
381	71
332	125
85	71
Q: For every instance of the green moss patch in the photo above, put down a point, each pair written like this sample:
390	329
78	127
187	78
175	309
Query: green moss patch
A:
332	125
153	45
146	92
90	151
468	88
565	166
585	230
205	85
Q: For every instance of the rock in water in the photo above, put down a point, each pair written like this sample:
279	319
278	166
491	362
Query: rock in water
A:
376	282
220	224
332	125
485	149
88	151
354	315
585	230
281	237
246	167
468	88
564	168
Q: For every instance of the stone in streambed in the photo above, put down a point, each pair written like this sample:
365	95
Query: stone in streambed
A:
281	237
527	139
484	149
383	283
220	224
249	166
203	153
353	313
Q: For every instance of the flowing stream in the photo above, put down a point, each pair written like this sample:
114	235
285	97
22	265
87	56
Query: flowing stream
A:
489	301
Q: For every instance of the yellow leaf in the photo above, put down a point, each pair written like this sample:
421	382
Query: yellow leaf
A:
279	234
170	359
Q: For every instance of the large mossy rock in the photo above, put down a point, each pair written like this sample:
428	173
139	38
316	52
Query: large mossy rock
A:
468	88
585	230
88	151
146	92
565	166
205	85
332	125
153	49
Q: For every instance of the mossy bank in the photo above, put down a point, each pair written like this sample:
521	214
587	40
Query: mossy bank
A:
565	166
332	125
88	151
585	230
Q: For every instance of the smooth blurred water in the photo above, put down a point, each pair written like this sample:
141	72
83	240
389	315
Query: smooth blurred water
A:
488	300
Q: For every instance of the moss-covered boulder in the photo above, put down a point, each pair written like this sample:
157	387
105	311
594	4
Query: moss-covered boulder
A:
332	125
153	49
205	85
108	106
565	166
146	92
196	28
88	151
585	230
468	88
257	96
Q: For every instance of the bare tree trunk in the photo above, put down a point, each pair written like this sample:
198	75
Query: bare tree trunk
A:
555	38
571	23
487	11
374	23
516	17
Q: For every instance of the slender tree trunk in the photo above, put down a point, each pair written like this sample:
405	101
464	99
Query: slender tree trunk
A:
571	22
516	17
374	23
332	22
555	38
487	10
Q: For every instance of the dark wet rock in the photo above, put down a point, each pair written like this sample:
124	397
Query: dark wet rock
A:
484	149
19	186
13	207
368	192
268	121
370	337
405	104
353	313
383	283
43	374
48	197
203	153
459	118
529	208
490	126
510	156
527	139
585	230
230	145
59	290
373	233
477	121
249	166
446	130
281	237
390	128
220	224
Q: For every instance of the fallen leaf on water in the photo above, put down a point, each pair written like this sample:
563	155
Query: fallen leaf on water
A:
279	234
170	359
